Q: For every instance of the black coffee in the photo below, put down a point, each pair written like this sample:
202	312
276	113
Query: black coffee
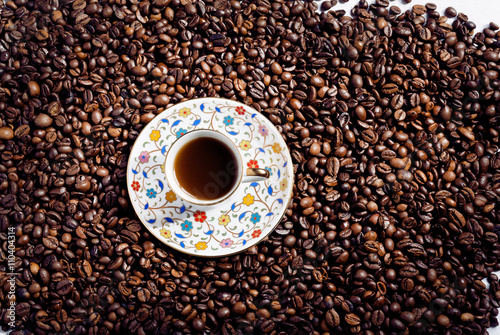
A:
205	168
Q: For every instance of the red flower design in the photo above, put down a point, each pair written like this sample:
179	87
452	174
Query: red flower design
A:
253	164
240	110
135	186
256	233
200	216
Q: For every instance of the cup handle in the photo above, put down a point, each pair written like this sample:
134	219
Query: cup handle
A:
255	175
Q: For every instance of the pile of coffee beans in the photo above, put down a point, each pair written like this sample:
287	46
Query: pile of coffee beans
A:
391	119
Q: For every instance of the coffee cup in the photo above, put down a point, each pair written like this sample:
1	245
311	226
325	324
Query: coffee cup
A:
204	167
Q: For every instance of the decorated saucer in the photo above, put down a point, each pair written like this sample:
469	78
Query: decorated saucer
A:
245	218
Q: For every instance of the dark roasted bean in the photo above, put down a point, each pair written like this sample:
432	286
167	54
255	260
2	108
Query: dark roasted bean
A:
392	128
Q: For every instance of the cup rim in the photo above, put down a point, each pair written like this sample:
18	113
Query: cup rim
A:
182	194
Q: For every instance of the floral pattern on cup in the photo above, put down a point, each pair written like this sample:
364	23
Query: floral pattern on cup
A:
135	186
224	220
144	157
226	243
245	145
170	196
155	135
253	164
263	130
240	221
184	112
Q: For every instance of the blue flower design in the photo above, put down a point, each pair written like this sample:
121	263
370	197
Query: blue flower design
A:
228	121
151	193
269	169
255	218
180	132
187	225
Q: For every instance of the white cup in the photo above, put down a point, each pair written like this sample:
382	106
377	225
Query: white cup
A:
220	179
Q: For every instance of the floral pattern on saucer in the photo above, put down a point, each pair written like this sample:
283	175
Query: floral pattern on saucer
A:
237	223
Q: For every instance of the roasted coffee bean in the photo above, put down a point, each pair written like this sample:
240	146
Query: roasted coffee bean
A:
352	319
377	317
332	318
6	133
457	218
450	12
43	121
64	287
391	124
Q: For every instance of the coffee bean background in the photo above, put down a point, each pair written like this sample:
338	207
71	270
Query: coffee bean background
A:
391	119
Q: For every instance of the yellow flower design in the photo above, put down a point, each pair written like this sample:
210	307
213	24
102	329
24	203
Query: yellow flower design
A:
224	220
201	245
165	233
155	135
245	145
276	148
162	167
283	184
248	199
184	112
170	196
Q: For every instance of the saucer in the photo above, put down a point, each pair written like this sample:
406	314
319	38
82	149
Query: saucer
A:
237	223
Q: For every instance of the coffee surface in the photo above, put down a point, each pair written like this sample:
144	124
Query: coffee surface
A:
205	168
